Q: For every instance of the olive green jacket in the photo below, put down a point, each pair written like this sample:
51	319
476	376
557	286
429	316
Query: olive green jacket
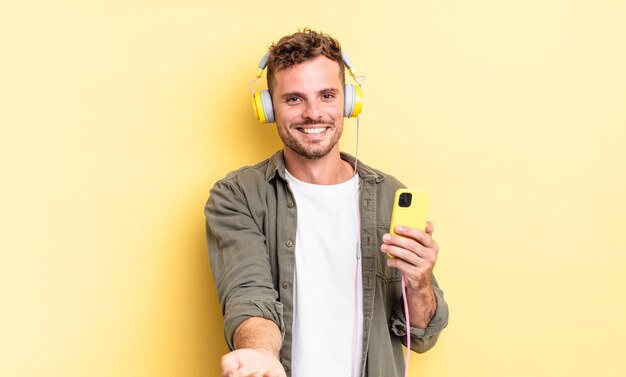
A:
251	232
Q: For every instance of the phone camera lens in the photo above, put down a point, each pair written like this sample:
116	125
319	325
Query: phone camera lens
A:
405	199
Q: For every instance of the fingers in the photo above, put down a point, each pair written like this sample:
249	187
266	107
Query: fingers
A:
411	245
415	254
411	238
400	253
417	275
409	262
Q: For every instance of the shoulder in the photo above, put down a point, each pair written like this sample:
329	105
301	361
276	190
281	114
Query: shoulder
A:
254	175
248	186
246	173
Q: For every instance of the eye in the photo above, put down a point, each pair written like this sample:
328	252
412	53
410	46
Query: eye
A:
328	96
292	100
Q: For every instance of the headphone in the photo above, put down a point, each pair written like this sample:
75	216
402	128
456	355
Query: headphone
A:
262	101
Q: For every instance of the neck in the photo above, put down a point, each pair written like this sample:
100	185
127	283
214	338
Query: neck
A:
327	170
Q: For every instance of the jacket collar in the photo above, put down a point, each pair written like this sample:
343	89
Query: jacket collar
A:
276	165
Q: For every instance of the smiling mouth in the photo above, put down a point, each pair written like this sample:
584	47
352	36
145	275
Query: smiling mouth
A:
312	131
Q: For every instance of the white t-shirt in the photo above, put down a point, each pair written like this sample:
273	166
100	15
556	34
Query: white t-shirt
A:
325	283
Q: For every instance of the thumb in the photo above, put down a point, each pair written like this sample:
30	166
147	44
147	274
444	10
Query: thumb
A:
230	365
430	227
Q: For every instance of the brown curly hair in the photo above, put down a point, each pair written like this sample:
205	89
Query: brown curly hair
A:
300	47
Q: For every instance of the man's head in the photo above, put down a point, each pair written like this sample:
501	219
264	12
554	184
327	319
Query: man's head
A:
306	81
301	47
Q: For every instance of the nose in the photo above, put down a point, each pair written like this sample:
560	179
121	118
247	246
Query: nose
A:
312	110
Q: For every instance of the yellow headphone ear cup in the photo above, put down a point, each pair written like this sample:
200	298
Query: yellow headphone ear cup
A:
358	101
353	101
263	109
258	107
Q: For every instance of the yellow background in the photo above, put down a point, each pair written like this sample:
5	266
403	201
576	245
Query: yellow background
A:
117	117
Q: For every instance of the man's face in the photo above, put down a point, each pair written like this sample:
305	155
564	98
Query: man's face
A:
308	107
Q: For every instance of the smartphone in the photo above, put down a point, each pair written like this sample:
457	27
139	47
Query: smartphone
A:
410	208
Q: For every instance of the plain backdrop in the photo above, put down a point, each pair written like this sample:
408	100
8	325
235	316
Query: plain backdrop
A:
118	116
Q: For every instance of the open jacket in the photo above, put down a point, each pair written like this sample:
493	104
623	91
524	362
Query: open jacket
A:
251	232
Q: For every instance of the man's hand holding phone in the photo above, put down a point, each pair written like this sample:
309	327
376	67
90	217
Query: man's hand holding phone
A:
414	252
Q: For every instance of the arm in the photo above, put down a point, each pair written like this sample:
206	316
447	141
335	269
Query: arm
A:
416	254
241	270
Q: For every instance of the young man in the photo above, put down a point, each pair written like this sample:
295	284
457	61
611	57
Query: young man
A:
298	243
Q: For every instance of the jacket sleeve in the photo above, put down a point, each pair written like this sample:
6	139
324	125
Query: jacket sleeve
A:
422	339
239	260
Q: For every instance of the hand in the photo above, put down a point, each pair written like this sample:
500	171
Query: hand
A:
415	253
249	362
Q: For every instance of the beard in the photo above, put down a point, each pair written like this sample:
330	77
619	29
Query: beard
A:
315	149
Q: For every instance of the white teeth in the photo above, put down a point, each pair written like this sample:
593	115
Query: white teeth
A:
313	130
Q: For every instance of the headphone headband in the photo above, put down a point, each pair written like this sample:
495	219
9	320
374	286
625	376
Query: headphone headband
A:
346	61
